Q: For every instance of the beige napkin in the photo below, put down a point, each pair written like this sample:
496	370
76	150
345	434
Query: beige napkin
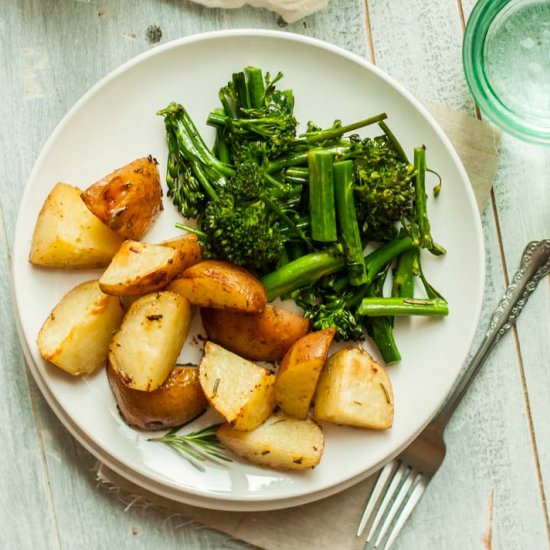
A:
328	523
290	10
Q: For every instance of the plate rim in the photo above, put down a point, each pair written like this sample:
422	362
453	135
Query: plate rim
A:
284	500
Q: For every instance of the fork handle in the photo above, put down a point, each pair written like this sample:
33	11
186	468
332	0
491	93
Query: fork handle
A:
535	265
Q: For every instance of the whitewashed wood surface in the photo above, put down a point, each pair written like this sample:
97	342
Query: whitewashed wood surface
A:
492	491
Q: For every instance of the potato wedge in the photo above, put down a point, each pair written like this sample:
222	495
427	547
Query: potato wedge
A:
179	399
140	268
129	199
354	390
280	442
76	335
68	235
264	336
144	350
221	285
189	247
242	392
299	372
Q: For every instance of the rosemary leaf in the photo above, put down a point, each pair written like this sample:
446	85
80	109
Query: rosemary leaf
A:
198	446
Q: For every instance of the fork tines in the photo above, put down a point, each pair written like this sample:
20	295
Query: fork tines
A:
390	503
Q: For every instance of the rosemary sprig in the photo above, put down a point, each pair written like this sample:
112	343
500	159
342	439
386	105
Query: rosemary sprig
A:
195	447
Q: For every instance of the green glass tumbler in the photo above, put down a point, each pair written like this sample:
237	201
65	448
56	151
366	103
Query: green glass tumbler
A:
506	56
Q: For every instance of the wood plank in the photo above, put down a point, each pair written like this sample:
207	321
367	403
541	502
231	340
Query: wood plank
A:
419	43
25	498
523	202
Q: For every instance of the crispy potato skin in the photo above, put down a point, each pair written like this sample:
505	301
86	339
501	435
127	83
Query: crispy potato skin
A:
354	390
129	199
139	268
75	337
179	399
221	285
280	442
147	345
299	372
265	336
67	235
241	391
189	247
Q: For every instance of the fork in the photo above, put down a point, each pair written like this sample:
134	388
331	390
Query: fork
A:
401	483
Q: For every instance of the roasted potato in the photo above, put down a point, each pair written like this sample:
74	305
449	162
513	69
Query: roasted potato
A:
280	442
264	336
354	390
221	285
129	199
241	391
68	235
144	350
76	335
139	268
299	372
179	399
189	247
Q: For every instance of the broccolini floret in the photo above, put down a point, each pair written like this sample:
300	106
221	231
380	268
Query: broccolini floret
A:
244	233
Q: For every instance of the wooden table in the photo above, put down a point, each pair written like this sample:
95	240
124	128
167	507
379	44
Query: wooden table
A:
493	489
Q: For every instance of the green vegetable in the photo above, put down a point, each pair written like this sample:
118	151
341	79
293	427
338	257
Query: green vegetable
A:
303	271
378	307
381	328
195	447
384	189
321	196
299	210
347	221
426	240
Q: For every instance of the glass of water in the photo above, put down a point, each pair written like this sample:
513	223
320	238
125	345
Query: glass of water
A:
506	57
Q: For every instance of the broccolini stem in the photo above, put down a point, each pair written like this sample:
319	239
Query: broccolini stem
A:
321	197
331	133
381	328
382	307
283	259
403	278
189	144
201	176
301	225
290	223
228	107
303	271
378	259
184	187
347	221
206	155
426	240
189	229
239	82
394	141
256	88
221	149
301	159
295	250
382	334
299	172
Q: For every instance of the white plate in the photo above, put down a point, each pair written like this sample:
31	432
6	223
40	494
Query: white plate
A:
115	122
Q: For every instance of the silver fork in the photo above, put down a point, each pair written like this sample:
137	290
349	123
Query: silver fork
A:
401	483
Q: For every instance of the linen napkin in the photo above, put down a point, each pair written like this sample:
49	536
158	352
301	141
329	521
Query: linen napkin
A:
289	10
331	522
